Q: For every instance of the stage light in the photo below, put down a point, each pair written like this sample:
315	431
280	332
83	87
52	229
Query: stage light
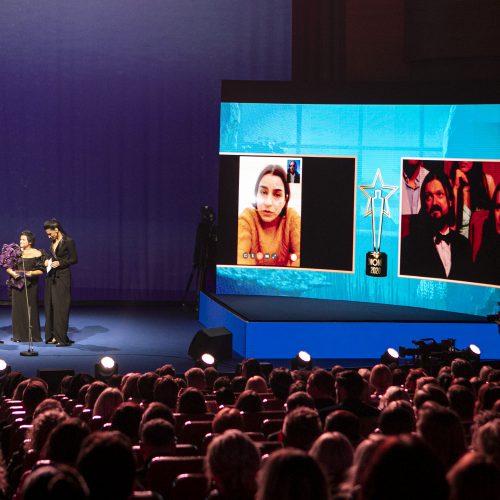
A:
302	361
473	352
474	349
106	368
390	357
4	368
205	360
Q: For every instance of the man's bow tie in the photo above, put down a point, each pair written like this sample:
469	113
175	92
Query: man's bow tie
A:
443	237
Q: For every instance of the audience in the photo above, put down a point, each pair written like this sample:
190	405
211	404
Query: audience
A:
280	380
380	380
397	418
107	402
157	440
249	401
65	440
473	476
443	432
165	390
195	377
334	454
107	464
404	467
292	474
126	418
448	422
301	427
257	384
191	401
346	423
227	418
321	387
232	463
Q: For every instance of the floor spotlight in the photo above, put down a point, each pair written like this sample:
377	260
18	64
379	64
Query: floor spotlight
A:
302	361
4	368
473	352
390	357
205	360
106	368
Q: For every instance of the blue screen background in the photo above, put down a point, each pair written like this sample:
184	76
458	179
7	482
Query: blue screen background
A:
379	136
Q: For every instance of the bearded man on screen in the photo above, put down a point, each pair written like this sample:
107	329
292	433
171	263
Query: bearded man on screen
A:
433	249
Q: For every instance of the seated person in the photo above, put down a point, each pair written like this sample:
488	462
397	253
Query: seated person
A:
292	174
472	190
433	249
486	265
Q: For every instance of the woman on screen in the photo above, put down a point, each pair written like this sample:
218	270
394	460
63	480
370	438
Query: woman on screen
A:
24	290
472	190
488	256
269	232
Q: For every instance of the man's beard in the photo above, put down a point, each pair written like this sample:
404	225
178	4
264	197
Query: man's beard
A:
437	223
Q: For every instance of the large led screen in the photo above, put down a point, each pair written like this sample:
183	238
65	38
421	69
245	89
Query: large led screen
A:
391	202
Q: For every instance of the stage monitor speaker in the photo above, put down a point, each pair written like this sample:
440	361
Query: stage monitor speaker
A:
53	378
216	341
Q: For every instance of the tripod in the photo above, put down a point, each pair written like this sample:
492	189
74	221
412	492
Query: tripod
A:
203	255
30	351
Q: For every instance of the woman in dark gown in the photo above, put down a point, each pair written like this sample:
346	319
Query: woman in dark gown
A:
26	293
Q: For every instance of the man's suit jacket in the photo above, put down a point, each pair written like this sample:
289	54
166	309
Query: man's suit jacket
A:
419	257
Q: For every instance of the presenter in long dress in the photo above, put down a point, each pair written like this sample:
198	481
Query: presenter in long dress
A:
24	293
58	284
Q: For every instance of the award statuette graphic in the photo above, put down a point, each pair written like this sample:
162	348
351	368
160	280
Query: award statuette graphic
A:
378	195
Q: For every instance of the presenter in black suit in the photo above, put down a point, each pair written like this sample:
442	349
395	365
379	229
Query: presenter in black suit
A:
433	249
58	284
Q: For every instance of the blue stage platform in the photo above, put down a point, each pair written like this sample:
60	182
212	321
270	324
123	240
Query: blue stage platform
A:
278	327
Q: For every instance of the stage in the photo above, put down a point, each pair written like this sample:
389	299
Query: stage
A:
140	337
278	327
144	336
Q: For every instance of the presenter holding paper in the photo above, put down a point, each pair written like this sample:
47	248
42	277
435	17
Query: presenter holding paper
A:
58	284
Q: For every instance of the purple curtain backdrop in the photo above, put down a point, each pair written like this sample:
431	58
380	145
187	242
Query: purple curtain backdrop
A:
109	121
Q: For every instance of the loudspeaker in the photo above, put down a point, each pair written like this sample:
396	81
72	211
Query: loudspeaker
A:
53	378
216	341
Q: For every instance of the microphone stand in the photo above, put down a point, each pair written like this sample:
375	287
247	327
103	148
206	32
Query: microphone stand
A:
30	351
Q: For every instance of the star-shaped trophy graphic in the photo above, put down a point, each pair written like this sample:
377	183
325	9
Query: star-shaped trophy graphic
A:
377	206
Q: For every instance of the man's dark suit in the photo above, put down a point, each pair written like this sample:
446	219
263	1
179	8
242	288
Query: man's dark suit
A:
419	256
296	179
58	292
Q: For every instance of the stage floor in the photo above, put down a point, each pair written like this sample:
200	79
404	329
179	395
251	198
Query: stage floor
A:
144	336
140	337
261	308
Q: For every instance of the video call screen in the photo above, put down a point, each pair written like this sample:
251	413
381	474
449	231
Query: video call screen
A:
413	176
287	211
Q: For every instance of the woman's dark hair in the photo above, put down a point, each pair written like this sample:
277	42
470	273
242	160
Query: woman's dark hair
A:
278	172
54	224
489	229
479	197
249	401
64	442
400	462
29	236
292	473
191	401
